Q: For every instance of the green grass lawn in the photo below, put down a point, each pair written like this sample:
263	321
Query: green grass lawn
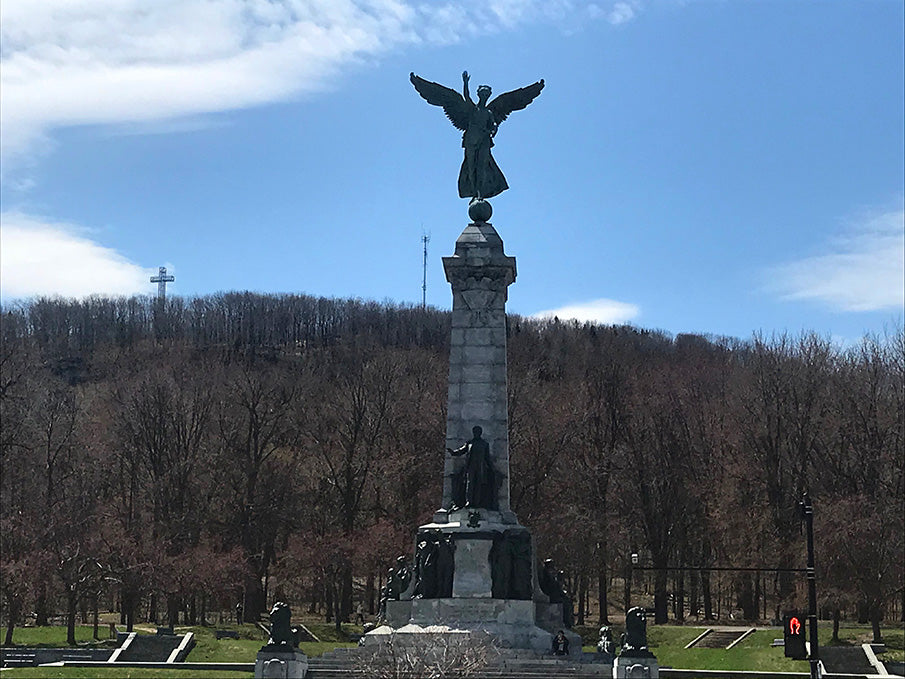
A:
117	673
251	638
754	652
55	636
666	641
894	638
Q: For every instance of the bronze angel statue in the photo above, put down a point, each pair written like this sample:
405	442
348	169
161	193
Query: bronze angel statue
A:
480	177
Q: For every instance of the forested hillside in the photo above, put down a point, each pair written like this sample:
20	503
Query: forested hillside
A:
175	459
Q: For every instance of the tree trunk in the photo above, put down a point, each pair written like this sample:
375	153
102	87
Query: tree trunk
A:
172	610
836	616
12	612
369	593
694	604
661	598
128	606
705	592
72	602
152	608
328	598
582	587
719	596
876	615
602	581
41	606
603	618
757	594
95	615
346	599
255	603
746	599
627	589
680	597
337	605
764	591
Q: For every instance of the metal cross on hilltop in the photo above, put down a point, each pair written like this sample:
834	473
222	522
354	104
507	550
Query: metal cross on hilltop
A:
162	279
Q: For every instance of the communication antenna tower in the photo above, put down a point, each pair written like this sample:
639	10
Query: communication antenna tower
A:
425	239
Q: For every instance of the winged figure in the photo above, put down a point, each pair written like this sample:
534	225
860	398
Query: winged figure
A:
480	177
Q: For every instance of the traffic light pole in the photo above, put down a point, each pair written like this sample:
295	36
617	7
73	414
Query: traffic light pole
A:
814	657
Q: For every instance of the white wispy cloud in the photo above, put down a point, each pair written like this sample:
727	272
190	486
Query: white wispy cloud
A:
862	270
617	13
606	311
131	61
42	257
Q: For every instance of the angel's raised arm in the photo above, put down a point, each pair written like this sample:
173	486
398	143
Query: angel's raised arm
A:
465	79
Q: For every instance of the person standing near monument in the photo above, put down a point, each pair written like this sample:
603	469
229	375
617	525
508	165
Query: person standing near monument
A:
560	644
478	469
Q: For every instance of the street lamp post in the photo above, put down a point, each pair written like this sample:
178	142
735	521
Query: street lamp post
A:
807	510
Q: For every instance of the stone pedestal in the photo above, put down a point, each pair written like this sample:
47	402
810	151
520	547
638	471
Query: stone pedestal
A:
495	588
630	667
278	663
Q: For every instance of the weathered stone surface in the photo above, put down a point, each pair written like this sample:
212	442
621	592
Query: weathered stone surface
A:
456	611
281	664
627	667
398	613
471	578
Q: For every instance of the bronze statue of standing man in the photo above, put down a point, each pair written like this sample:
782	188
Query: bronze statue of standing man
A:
479	476
479	177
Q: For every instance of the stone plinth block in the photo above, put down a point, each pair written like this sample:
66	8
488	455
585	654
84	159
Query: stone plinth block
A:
503	636
462	611
399	613
628	667
280	664
472	578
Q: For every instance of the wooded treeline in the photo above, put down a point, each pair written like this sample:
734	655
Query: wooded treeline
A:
174	459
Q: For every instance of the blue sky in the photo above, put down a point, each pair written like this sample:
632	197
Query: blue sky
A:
719	167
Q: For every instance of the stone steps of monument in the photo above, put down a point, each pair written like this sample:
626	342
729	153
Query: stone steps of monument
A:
720	638
25	657
846	660
334	668
16	657
147	648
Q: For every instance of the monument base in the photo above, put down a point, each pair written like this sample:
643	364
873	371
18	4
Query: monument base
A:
276	663
630	667
504	636
509	622
524	620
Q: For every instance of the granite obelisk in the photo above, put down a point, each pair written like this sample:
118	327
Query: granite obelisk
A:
480	273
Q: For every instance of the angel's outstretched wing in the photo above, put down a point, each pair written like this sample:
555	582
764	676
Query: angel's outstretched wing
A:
515	100
453	103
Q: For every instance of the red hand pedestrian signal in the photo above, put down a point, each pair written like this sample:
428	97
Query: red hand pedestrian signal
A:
793	633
